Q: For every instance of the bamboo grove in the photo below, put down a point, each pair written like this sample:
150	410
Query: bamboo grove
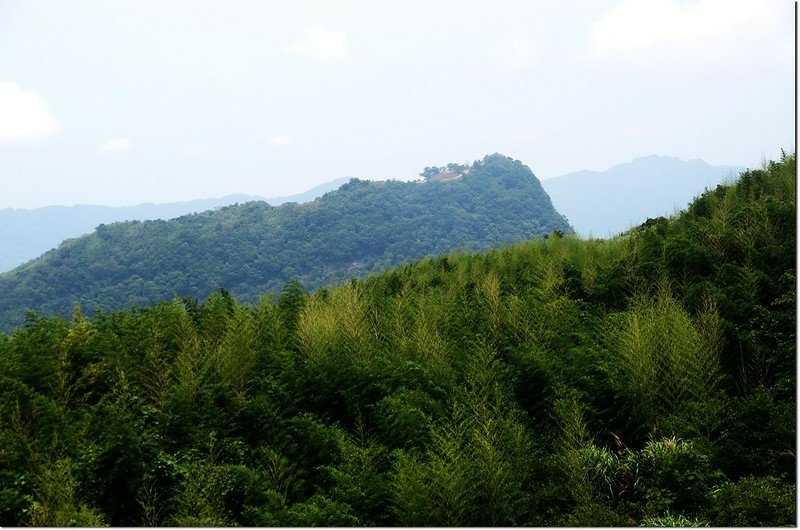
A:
647	379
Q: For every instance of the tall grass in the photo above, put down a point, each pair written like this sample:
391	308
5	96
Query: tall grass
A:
669	360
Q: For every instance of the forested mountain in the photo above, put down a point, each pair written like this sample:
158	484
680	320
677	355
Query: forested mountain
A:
648	379
27	234
251	248
604	203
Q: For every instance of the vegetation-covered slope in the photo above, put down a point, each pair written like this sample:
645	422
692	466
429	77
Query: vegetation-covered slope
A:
252	248
647	379
27	234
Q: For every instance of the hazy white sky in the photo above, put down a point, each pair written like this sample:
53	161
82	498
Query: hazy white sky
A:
120	102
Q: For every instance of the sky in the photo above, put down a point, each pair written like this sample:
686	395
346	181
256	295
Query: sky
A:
118	102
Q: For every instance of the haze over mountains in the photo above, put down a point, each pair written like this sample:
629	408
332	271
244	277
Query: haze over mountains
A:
437	342
26	234
605	203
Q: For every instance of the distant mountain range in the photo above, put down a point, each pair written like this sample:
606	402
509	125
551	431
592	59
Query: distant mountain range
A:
602	204
26	234
253	248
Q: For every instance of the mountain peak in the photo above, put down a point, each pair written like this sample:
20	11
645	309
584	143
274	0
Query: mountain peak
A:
603	203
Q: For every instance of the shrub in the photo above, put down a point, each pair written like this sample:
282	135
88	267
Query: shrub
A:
674	475
754	501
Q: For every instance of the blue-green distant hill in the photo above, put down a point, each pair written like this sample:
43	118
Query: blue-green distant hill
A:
253	248
27	234
605	203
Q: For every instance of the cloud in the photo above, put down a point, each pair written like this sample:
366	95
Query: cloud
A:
697	32
115	145
323	43
517	52
24	115
280	140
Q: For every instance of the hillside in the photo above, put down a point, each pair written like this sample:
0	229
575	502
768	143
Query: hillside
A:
27	234
644	380
251	248
604	203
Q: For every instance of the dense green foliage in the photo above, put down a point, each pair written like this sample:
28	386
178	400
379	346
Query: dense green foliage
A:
644	380
253	248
